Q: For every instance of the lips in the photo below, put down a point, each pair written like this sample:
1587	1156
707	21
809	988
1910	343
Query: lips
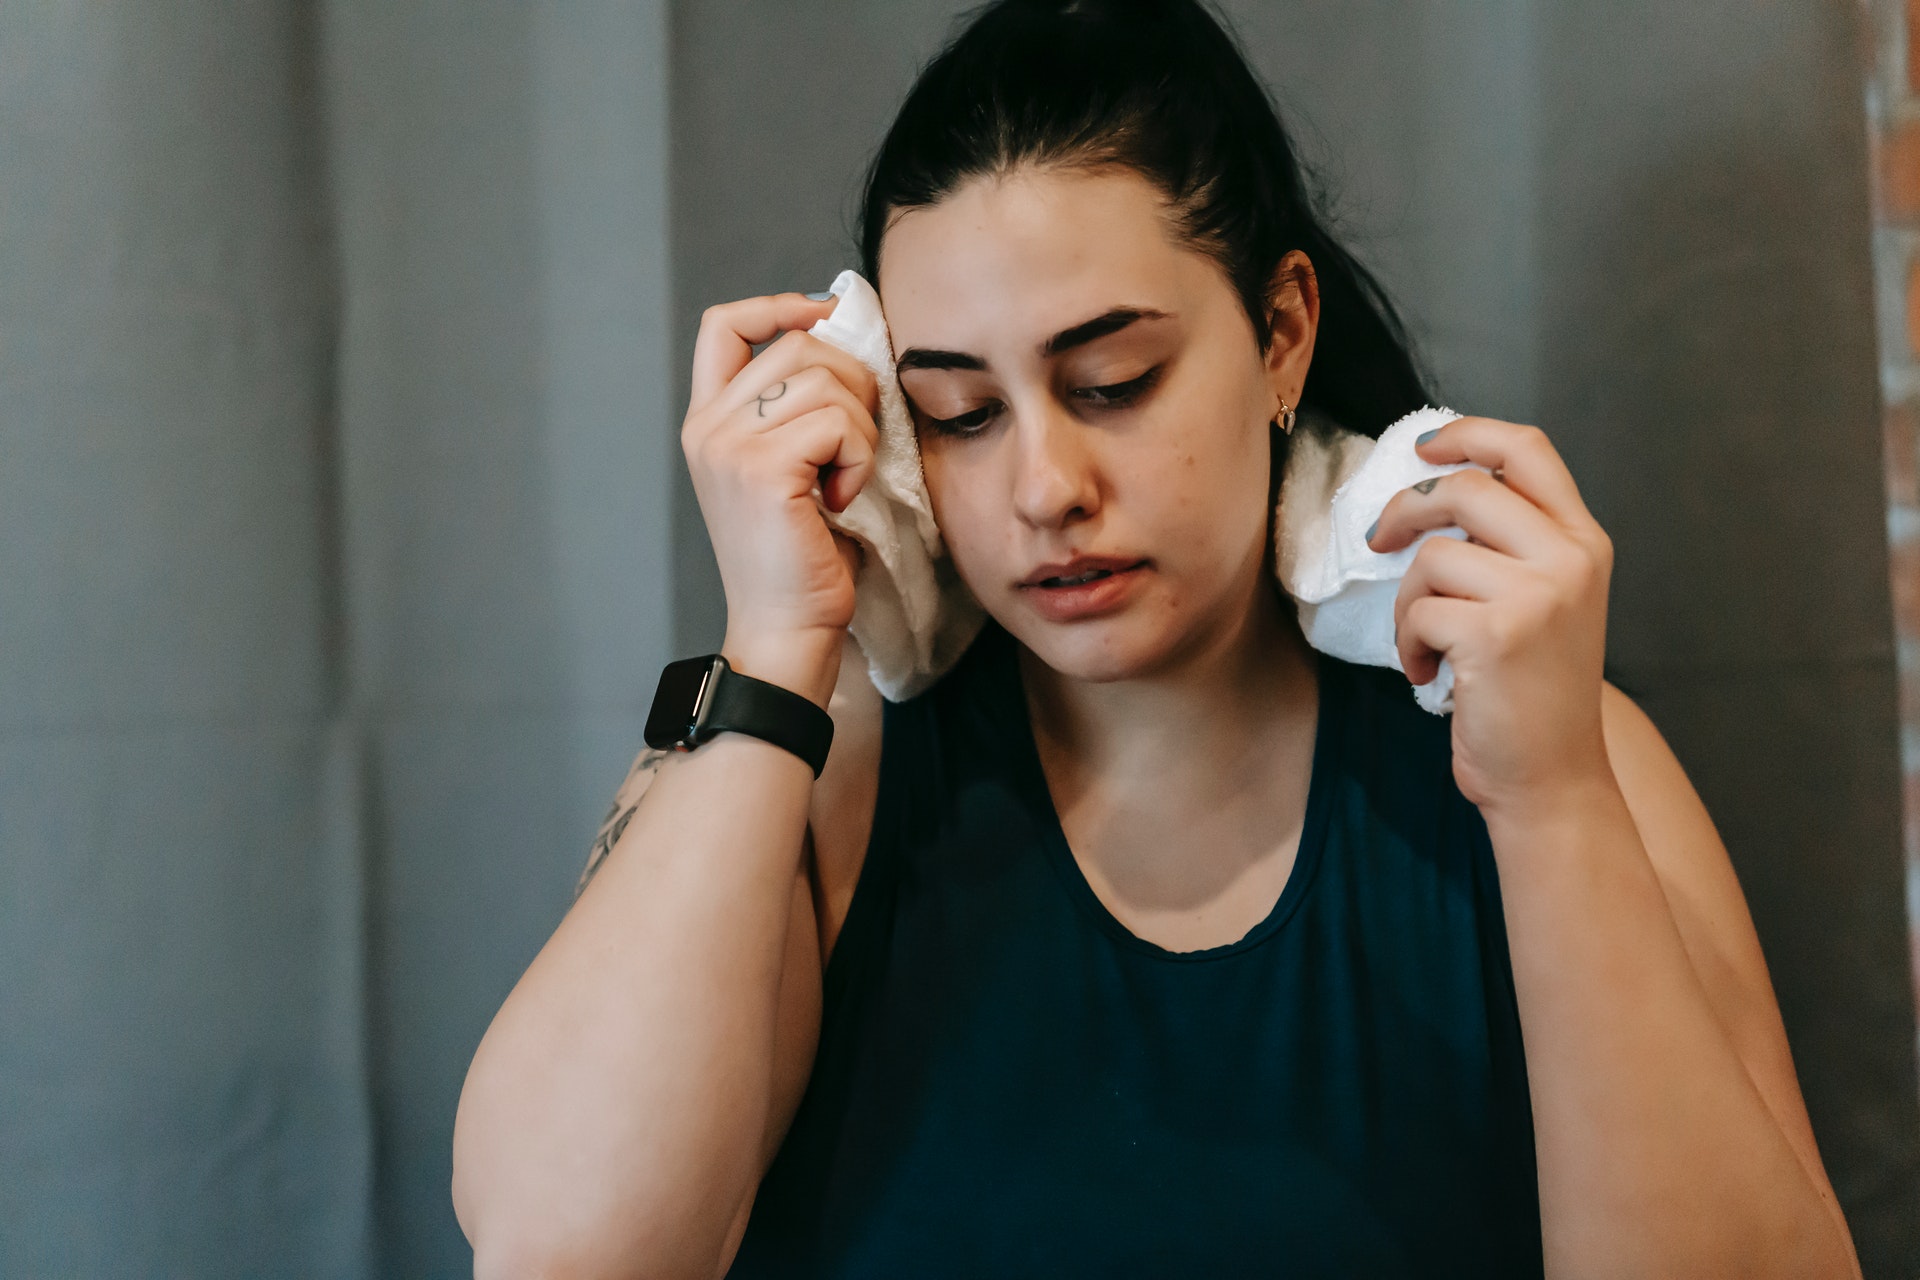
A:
1083	587
1078	571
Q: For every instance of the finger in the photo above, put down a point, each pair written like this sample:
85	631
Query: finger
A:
730	331
1430	628
794	397
1447	566
1525	457
788	356
1490	512
835	451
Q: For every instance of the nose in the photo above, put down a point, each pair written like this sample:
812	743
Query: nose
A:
1056	482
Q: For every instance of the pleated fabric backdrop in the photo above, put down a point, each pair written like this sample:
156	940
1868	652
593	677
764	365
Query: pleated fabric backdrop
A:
343	529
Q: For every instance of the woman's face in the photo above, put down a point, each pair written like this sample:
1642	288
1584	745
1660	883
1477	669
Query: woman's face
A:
1093	413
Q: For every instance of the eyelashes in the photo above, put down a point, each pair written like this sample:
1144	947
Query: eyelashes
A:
1111	397
971	423
1119	395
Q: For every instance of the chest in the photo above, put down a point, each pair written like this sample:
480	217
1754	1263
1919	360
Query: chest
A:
1011	1082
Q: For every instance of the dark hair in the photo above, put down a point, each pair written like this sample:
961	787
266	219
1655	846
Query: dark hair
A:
1160	88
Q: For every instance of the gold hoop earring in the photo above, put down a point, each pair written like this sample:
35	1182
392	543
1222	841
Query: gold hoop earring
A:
1286	419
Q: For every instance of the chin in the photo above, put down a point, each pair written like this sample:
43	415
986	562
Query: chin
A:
1123	646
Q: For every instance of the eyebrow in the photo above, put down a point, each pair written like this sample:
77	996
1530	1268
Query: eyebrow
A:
1065	340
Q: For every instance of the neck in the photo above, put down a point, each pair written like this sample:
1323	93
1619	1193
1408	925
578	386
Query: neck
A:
1209	705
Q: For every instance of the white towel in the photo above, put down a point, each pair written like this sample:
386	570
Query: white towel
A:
1337	483
914	617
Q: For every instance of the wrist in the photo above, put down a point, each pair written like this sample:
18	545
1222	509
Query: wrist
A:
1586	802
805	662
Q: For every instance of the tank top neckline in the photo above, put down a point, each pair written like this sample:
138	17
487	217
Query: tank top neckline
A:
1031	778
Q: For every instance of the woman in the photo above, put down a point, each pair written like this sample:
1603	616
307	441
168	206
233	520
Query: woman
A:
1147	941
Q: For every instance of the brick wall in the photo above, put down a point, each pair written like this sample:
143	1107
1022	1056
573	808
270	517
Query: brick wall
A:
1893	109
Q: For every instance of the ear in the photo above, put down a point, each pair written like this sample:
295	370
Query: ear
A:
1294	302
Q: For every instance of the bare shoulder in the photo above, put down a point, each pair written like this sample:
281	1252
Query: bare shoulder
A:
842	813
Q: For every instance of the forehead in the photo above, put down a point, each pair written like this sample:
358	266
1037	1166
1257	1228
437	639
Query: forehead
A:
1017	257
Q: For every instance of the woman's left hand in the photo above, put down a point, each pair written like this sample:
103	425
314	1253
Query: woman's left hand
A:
1520	611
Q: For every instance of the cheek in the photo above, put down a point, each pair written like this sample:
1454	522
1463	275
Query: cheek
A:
964	508
1209	496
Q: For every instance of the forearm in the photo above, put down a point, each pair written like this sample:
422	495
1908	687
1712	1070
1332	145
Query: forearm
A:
1657	1153
615	1112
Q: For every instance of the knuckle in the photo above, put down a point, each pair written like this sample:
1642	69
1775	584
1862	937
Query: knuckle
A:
1582	567
1563	578
835	429
806	381
1474	480
797	384
1602	549
1410	608
696	435
1414	615
861	430
1460	490
1507	630
1550	600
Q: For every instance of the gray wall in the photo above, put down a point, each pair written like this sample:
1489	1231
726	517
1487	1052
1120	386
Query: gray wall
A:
181	1060
343	528
334	575
505	447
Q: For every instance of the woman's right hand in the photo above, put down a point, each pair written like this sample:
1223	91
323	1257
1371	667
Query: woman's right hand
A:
761	434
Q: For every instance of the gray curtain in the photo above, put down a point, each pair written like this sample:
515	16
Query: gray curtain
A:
334	515
343	529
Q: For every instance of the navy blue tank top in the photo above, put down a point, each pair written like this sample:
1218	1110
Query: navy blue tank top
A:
1011	1083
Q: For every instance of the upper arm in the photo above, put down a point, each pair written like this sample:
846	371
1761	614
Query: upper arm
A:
1703	894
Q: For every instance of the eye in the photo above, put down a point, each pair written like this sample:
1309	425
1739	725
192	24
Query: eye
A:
1118	395
971	423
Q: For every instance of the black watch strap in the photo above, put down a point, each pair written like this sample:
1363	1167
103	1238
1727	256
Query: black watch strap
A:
699	697
787	719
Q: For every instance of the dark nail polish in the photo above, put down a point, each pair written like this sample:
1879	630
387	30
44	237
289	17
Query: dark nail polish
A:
1371	530
1425	436
821	296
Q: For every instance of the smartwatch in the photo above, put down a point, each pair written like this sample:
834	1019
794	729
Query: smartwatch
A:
699	697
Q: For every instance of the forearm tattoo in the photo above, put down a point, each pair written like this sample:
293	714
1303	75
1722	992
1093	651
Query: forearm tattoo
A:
625	805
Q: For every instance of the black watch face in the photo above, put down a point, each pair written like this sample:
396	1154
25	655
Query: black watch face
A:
676	703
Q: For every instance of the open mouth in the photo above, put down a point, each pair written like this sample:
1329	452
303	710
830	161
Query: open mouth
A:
1092	590
1078	580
